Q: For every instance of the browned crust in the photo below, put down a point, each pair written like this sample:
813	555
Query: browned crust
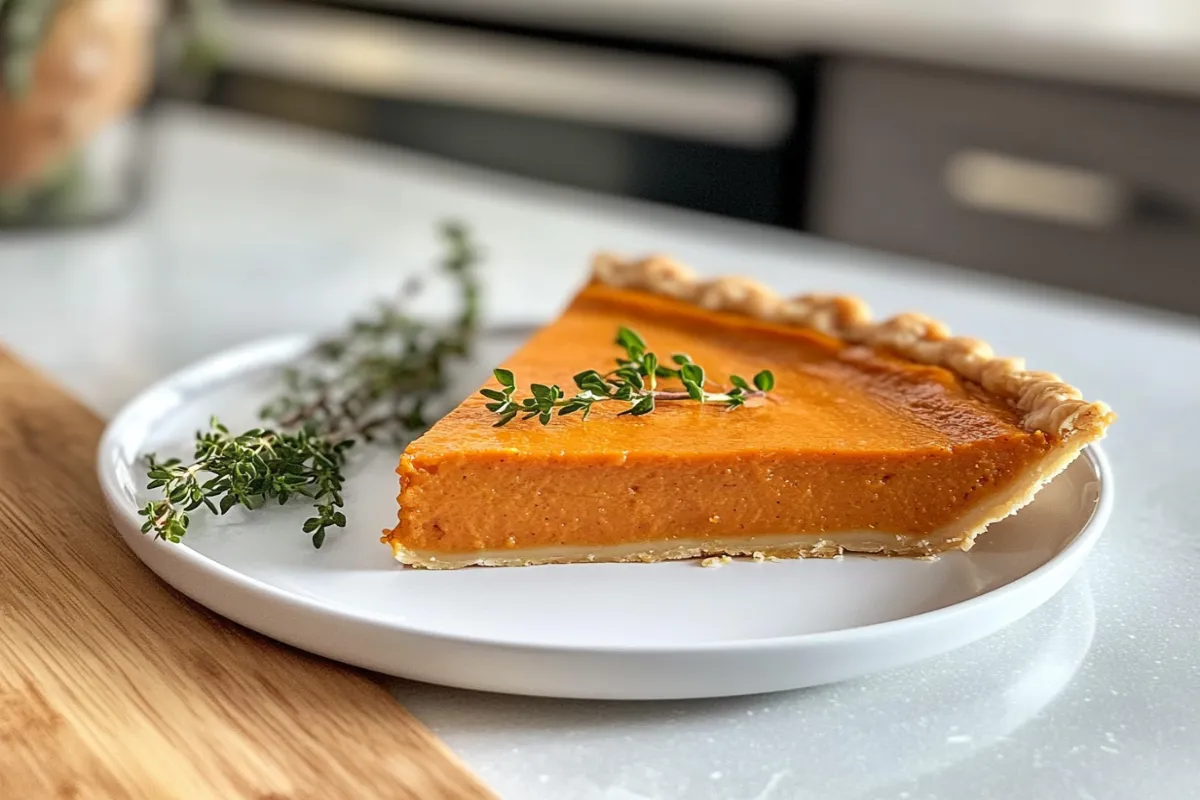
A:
1046	403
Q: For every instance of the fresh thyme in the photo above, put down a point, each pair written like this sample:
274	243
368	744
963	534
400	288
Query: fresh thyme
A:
249	470
373	382
634	381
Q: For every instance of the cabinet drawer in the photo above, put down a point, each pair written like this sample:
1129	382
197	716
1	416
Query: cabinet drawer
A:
1069	186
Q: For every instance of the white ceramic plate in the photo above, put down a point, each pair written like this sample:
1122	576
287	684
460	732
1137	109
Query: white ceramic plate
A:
621	631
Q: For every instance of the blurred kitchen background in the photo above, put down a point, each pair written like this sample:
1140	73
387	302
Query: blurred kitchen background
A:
1044	139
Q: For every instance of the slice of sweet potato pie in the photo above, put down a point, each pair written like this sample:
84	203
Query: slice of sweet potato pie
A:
662	416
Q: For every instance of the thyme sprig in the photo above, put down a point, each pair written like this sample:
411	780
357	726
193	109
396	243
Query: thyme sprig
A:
375	380
635	381
372	382
249	469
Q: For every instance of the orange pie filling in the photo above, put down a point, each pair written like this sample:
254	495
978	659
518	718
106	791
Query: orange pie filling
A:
856	449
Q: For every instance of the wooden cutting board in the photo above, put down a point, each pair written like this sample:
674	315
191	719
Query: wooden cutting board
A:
114	686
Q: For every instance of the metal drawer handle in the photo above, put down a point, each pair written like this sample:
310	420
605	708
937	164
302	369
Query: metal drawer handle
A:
996	182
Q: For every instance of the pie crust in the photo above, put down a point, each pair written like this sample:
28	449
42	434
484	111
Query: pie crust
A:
1048	404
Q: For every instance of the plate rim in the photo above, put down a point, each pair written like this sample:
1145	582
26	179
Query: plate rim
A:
262	352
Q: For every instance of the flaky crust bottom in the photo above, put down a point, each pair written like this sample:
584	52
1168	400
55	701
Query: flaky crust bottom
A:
960	535
779	546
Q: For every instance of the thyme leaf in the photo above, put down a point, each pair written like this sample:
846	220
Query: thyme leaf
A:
634	382
372	382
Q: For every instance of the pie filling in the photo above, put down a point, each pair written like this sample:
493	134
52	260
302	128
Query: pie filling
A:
498	501
957	534
856	450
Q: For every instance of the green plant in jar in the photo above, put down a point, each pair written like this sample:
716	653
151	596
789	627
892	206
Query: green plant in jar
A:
69	71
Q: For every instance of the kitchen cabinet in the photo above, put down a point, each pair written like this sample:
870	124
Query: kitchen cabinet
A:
1064	184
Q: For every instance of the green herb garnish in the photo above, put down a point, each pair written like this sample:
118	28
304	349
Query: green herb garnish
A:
249	470
373	382
634	381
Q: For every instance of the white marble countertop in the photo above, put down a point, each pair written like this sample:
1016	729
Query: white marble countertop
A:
256	230
1149	44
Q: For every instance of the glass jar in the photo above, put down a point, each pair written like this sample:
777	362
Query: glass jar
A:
75	75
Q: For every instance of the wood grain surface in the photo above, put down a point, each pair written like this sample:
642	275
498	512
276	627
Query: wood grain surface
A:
114	686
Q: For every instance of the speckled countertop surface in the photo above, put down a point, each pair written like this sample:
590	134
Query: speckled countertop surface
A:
1095	695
